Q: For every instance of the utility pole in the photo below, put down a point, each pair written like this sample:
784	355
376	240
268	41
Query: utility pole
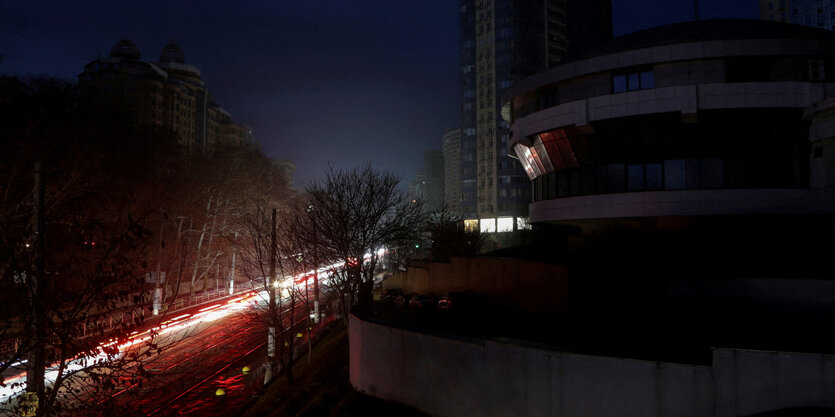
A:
316	314
37	353
157	275
272	338
317	317
232	274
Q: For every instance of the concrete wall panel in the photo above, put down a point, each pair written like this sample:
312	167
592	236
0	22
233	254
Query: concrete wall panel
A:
450	377
750	382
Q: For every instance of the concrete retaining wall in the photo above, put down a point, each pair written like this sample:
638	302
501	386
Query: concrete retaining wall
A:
456	377
750	382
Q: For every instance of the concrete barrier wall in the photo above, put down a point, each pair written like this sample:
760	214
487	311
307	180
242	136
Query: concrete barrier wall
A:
750	382
450	377
458	377
533	286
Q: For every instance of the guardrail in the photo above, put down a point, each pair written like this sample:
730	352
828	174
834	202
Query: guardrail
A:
106	324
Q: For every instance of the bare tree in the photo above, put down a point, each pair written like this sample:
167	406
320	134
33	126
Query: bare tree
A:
355	214
450	237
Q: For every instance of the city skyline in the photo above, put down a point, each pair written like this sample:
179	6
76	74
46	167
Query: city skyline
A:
360	82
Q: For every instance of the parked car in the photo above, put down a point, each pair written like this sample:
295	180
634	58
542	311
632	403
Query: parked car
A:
444	303
390	294
402	300
422	302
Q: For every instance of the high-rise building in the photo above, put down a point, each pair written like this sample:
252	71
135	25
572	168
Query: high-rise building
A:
168	93
452	171
184	85
433	168
816	13
503	41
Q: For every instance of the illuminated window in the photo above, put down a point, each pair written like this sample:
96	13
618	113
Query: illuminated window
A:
504	224
471	225
522	223
488	225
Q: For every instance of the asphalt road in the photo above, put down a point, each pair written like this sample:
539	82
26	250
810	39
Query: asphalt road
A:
184	378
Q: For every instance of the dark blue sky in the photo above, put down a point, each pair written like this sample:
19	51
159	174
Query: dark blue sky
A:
345	81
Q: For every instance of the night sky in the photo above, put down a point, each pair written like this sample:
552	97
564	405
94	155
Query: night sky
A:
341	81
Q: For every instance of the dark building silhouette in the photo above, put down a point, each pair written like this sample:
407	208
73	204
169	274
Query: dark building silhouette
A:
168	93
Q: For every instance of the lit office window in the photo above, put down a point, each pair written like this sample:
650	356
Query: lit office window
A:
488	225
504	224
522	223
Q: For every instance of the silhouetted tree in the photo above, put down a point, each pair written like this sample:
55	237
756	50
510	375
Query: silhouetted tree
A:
450	238
354	213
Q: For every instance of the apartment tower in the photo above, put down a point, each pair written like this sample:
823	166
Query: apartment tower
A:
503	41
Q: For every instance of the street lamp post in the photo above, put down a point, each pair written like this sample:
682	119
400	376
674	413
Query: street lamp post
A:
316	314
273	309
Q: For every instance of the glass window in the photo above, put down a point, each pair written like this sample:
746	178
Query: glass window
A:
694	173
615	178
712	173
539	185
504	224
674	178
619	83
575	183
635	177
647	80
589	180
634	82
488	225
550	186
562	184
654	179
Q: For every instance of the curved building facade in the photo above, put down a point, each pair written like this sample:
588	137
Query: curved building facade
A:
719	117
